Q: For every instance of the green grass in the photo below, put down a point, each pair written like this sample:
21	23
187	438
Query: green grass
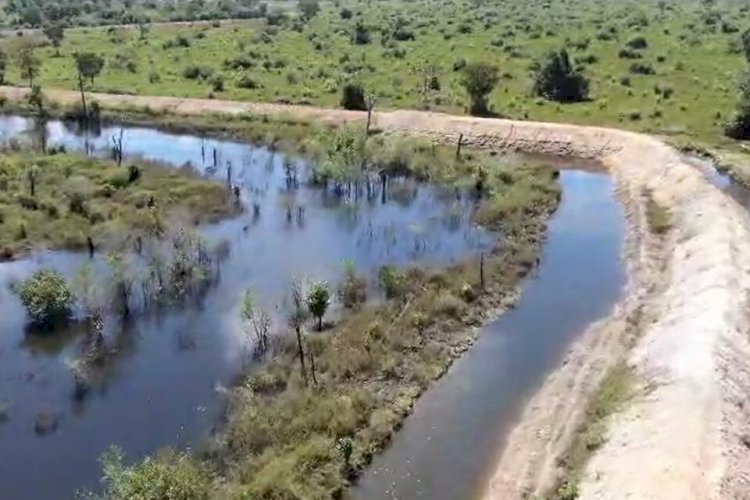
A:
692	91
78	197
612	393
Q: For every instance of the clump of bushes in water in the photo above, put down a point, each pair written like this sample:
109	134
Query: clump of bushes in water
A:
168	475
47	298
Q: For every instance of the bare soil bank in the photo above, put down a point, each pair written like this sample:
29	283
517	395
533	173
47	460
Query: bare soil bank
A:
681	326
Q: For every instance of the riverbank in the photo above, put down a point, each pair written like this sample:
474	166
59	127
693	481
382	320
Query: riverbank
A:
689	363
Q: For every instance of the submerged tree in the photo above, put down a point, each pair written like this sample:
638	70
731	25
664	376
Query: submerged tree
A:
479	80
122	281
353	289
318	299
87	292
46	297
556	79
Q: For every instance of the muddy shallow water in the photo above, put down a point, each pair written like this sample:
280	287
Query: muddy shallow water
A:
448	447
164	386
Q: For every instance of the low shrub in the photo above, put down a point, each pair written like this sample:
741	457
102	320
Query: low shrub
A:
353	97
641	69
46	297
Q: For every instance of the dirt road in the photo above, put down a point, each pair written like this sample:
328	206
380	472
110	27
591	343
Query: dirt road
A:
682	325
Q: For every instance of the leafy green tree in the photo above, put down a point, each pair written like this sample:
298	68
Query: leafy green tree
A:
479	80
429	79
88	65
46	297
55	33
318	299
309	8
557	80
28	63
32	14
353	97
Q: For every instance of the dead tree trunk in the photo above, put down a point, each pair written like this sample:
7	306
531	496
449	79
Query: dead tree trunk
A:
312	366
117	147
298	330
83	97
481	270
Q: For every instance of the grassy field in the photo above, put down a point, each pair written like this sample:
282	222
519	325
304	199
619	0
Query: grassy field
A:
667	67
76	197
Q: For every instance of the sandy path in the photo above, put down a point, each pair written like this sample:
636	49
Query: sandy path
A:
682	435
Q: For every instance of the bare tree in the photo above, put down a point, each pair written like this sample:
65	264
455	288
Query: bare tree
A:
117	151
297	317
259	320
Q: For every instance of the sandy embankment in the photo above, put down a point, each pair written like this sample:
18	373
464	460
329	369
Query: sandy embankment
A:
682	435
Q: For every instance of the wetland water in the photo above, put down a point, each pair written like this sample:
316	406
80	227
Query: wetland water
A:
448	447
164	386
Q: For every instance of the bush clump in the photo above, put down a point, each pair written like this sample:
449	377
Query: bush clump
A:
46	297
197	72
637	43
557	80
353	97
479	80
166	475
641	69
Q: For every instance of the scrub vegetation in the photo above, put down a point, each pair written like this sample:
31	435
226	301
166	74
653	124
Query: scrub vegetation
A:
667	67
611	394
69	201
